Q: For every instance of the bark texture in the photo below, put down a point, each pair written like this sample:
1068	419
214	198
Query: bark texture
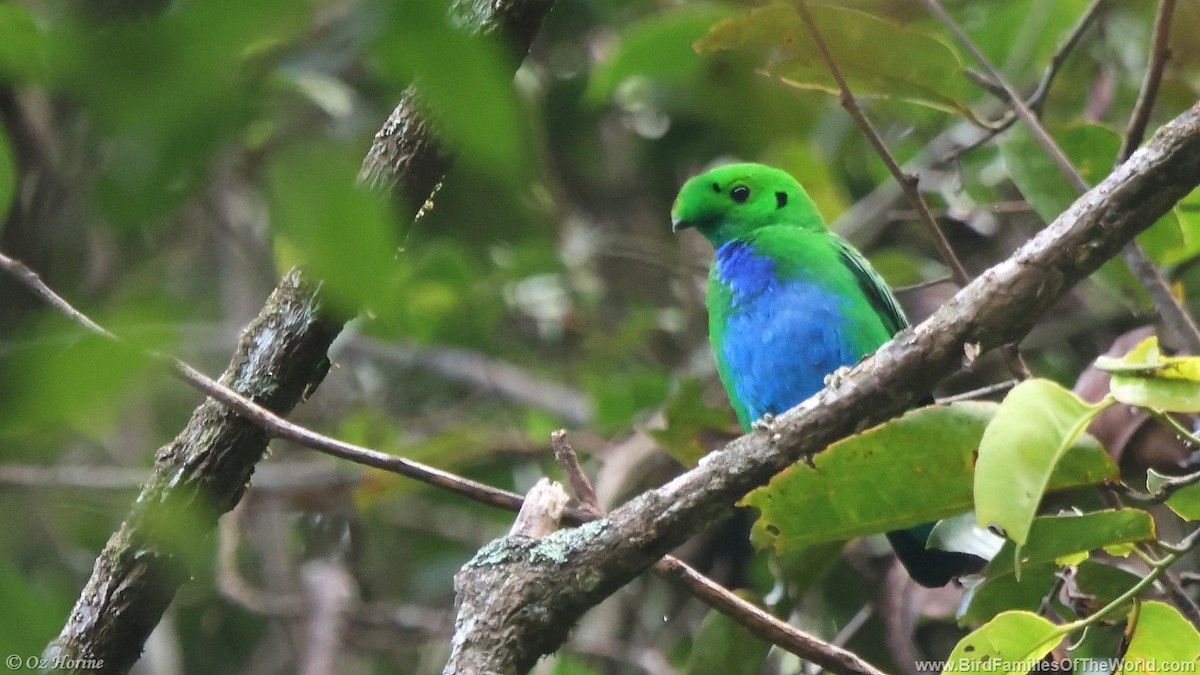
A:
197	477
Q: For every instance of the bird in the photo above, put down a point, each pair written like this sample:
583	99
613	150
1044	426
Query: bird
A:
791	303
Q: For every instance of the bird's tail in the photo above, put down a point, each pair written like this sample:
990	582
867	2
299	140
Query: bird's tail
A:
931	567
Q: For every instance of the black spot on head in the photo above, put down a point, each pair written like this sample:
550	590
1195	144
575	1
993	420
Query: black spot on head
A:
780	200
739	194
716	187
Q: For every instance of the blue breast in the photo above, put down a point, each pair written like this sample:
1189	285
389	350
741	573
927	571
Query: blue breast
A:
782	336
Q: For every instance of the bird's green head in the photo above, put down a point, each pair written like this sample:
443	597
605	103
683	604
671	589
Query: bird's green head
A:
732	201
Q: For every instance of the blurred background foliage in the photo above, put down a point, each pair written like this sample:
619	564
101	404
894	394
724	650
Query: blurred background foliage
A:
161	162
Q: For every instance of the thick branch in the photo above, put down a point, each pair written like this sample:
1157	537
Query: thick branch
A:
198	476
567	572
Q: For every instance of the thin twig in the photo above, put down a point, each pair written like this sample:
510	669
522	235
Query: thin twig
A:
275	425
34	283
855	624
1038	98
980	392
1174	316
907	182
1160	51
761	623
565	455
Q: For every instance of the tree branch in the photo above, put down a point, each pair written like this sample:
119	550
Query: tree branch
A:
198	476
559	577
280	360
1160	51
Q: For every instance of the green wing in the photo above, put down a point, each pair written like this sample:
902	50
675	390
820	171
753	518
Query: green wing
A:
873	286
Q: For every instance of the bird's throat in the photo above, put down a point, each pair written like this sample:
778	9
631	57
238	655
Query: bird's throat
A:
746	273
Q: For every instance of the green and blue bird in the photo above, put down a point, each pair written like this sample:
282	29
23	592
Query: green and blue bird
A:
790	302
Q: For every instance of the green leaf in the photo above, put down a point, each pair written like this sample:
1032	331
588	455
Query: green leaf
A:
1163	641
1037	423
1014	641
1175	237
1186	502
722	647
60	376
658	47
687	417
22	44
1090	147
1100	583
1160	393
914	469
996	594
864	48
1145	377
344	235
1052	538
1146	360
618	396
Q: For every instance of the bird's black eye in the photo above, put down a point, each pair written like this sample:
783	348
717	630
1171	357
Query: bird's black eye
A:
739	194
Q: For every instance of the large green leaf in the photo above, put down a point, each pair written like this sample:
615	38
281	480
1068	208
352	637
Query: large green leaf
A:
864	47
1037	423
911	470
1056	538
1163	641
1011	643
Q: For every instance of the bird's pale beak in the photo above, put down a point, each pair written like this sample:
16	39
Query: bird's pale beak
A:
678	224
